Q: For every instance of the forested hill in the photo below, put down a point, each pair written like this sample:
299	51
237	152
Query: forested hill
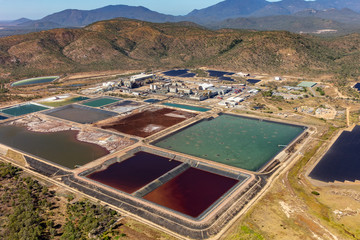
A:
132	44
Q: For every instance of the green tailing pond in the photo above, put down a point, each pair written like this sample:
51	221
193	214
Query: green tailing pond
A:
23	109
188	107
100	102
233	140
31	81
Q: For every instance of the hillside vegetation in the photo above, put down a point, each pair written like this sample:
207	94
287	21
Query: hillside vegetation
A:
130	44
296	24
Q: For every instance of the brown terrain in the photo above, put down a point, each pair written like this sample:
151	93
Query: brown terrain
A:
129	44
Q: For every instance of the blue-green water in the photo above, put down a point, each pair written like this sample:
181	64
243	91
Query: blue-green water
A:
232	140
100	102
34	81
152	100
22	109
194	108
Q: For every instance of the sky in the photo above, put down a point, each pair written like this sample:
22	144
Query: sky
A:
36	9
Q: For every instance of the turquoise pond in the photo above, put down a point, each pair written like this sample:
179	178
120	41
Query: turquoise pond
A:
100	102
188	107
152	100
233	140
23	109
34	81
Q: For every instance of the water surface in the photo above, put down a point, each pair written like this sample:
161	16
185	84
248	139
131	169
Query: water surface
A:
80	114
236	141
194	108
213	73
34	81
152	100
253	81
191	192
134	173
342	161
100	102
23	109
148	122
226	79
59	147
176	73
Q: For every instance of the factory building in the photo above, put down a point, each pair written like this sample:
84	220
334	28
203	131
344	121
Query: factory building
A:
137	80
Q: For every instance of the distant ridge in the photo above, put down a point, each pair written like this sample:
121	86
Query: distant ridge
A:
344	15
226	9
260	8
80	18
290	23
20	21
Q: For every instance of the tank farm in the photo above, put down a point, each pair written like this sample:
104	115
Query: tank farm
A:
185	169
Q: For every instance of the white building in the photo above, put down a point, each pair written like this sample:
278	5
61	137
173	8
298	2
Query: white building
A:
141	76
253	91
205	86
241	74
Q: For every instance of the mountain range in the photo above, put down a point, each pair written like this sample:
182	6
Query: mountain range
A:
241	14
133	44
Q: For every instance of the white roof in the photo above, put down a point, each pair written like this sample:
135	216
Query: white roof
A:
206	85
230	99
142	75
238	99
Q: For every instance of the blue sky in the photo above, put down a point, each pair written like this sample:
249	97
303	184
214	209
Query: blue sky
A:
36	9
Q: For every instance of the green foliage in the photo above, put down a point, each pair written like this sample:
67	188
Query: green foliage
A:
277	98
70	197
258	106
320	90
28	204
84	218
29	207
267	93
7	97
200	73
2	86
315	193
231	46
8	170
